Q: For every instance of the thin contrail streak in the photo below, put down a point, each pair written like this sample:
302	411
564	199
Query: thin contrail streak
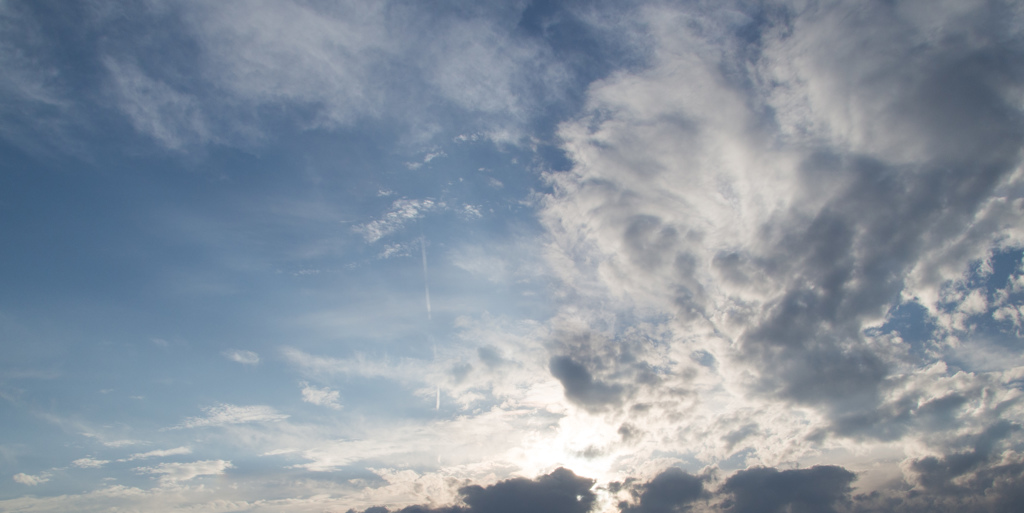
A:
426	284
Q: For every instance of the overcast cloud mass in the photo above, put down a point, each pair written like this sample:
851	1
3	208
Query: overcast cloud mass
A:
494	257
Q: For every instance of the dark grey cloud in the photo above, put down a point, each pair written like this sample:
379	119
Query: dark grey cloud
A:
581	387
817	489
952	102
997	487
672	491
561	491
491	356
736	436
937	474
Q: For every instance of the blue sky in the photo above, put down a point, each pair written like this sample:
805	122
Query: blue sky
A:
553	256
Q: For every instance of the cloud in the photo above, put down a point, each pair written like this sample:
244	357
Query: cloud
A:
768	490
121	443
30	480
672	491
320	396
37	112
332	66
561	491
242	356
402	211
748	215
226	414
171	473
89	463
173	118
159	453
581	387
941	474
744	205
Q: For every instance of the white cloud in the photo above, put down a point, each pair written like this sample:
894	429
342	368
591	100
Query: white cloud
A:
470	212
121	443
738	259
176	472
30	480
173	118
159	453
225	414
242	356
402	211
321	396
89	463
739	215
341	63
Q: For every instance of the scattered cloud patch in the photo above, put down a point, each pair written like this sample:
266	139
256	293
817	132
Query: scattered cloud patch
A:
321	396
402	211
470	212
242	356
226	414
395	250
426	159
30	480
89	463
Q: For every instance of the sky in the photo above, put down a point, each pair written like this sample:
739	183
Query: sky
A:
491	257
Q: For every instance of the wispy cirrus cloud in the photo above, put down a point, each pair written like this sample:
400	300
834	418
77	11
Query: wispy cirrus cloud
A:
174	118
172	473
89	463
227	414
158	453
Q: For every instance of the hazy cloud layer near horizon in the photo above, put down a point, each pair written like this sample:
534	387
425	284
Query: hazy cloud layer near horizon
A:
636	257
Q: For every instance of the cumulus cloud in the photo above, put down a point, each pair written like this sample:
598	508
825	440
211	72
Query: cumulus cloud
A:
820	488
672	491
226	414
750	216
242	356
774	245
581	387
30	480
768	210
321	396
823	489
561	491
